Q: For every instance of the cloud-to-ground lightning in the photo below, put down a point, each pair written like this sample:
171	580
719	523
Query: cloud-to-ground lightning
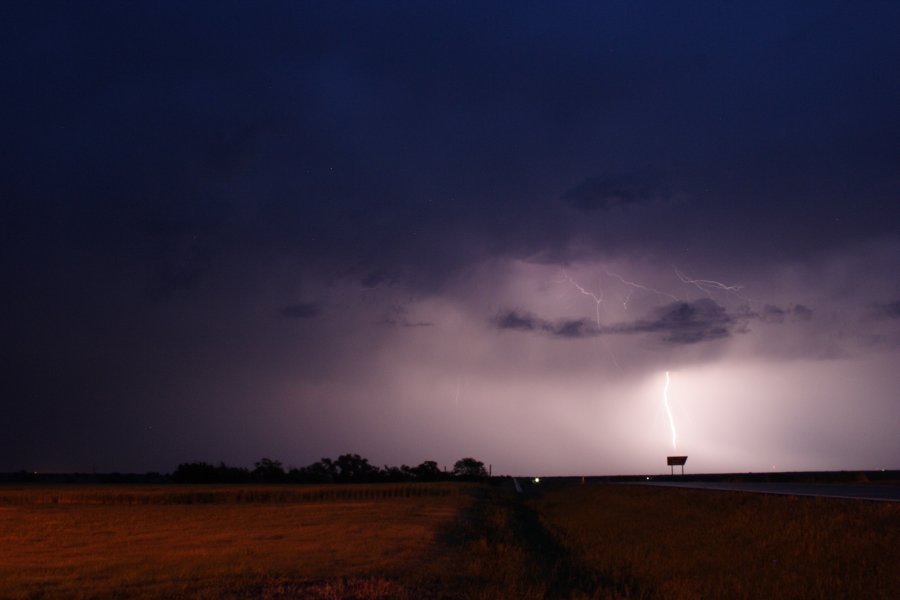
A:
669	410
708	287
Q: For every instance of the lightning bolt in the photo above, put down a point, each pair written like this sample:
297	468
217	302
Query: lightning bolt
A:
637	286
708	286
598	300
668	410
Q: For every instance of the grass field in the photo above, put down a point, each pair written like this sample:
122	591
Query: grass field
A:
649	542
441	541
327	541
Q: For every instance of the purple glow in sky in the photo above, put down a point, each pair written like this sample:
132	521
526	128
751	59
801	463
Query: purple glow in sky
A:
474	229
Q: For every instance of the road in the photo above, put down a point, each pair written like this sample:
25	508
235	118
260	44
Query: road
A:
888	493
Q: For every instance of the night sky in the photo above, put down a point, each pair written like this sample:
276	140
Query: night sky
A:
429	230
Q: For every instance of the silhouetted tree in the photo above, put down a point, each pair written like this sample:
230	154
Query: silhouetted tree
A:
201	472
347	468
428	471
469	468
355	468
195	472
323	471
395	473
269	471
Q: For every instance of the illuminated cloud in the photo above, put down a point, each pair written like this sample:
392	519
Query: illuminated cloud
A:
678	323
257	235
684	322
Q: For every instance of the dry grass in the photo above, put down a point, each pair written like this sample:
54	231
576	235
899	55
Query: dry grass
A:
645	542
328	541
441	541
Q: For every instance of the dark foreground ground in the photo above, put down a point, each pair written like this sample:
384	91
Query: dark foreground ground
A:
558	539
876	477
854	491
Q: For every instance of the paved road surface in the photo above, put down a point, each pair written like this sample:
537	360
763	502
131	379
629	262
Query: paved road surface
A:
887	493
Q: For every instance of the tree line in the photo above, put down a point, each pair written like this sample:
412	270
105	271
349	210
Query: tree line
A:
347	468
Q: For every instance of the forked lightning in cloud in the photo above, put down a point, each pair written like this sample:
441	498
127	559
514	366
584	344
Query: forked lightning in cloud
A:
708	286
638	286
598	300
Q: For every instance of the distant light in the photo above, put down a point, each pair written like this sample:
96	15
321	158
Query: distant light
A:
537	479
648	479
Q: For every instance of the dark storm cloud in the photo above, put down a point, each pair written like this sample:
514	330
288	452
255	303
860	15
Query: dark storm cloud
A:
684	322
175	273
303	310
413	324
182	173
403	321
373	280
622	191
574	328
800	312
887	310
679	323
566	328
770	313
398	316
516	320
377	143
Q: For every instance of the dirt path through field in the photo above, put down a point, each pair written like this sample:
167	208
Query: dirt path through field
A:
502	547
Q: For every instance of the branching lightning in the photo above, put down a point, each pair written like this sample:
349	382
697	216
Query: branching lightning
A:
598	300
668	410
638	286
708	286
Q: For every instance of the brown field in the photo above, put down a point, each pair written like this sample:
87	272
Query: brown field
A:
218	542
647	542
441	541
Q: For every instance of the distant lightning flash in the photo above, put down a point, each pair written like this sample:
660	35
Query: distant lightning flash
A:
638	286
668	410
598	300
708	286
